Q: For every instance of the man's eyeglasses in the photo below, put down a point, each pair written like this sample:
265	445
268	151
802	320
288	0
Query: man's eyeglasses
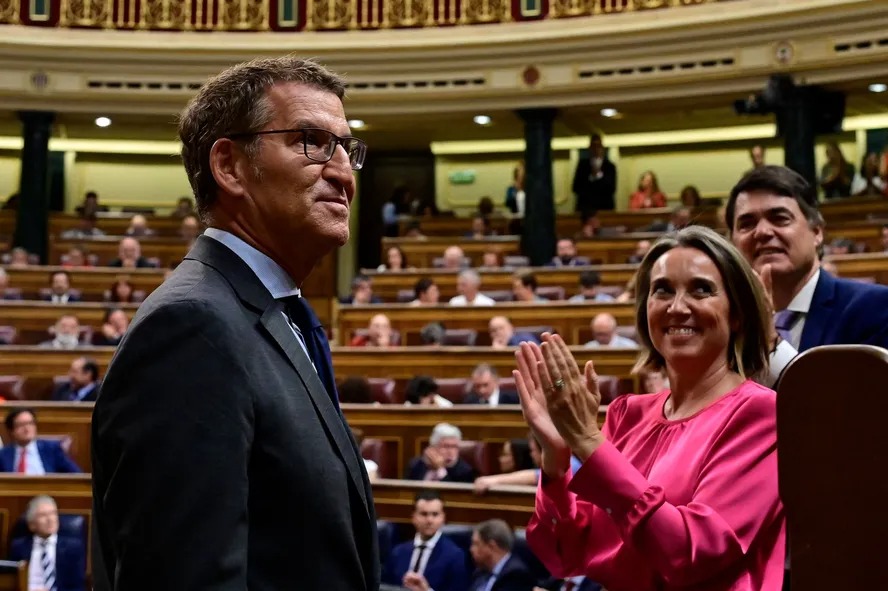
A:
319	144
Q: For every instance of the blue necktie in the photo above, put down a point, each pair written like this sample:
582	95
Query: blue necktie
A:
315	340
784	321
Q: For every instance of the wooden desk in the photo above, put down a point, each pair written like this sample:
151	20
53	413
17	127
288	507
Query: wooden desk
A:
91	282
114	224
873	265
168	250
33	319
571	320
387	284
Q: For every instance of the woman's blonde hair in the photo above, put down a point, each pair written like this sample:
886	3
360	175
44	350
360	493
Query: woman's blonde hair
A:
748	349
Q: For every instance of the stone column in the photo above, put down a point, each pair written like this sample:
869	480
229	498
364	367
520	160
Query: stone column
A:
538	233
32	223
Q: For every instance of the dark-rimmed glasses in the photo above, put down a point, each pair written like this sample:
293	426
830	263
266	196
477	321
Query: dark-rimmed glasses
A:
319	144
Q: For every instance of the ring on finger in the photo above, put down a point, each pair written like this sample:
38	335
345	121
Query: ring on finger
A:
558	385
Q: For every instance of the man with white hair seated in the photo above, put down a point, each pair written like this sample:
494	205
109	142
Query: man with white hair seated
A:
468	284
604	331
454	258
440	461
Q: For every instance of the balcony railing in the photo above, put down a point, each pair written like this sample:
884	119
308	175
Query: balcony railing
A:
309	15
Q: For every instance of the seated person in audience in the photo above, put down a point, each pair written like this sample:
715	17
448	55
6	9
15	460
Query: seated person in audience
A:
423	391
414	231
486	390
138	227
19	257
86	229
114	325
82	384
66	333
524	287
432	334
518	465
121	292
426	291
774	221
56	563
837	174
690	197
841	246
26	454
430	561
75	258
868	182
485	207
648	195
60	289
129	255
679	490
361	292
680	218
590	282
492	259
184	208
590	226
480	228
653	381
757	156
355	390
395	260
379	333
641	248
454	258
189	228
468	284
604	331
566	254
440	461
497	568
90	204
371	466
502	334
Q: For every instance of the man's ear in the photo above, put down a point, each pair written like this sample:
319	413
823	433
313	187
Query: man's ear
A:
228	164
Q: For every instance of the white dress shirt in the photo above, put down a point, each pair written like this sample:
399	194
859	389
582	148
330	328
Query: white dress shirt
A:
787	350
617	341
429	546
33	463
480	300
60	299
35	566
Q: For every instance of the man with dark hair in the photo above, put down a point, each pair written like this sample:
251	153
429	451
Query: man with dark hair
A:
361	291
524	286
430	562
589	284
498	568
60	288
28	455
773	219
566	254
221	459
82	384
595	180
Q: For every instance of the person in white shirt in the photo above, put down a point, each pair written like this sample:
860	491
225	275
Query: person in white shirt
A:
468	283
486	390
604	329
454	258
66	333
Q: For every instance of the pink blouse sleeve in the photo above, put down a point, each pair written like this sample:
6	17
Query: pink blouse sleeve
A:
609	517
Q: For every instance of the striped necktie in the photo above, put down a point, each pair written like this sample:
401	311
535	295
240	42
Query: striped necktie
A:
46	562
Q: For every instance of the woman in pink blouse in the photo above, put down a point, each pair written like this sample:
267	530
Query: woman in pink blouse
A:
648	194
679	489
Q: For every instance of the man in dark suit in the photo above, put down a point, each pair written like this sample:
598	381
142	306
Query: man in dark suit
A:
498	568
129	255
60	291
773	218
486	390
29	455
221	459
430	560
579	583
82	384
440	461
55	562
595	180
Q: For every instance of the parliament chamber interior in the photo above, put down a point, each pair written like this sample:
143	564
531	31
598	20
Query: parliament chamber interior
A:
475	113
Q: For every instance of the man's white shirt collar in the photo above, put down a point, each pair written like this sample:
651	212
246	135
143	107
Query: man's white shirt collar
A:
277	281
802	300
430	544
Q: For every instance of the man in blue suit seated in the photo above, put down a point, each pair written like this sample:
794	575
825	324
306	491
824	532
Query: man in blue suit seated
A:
430	562
502	334
82	384
29	455
56	563
486	390
440	461
773	219
498	568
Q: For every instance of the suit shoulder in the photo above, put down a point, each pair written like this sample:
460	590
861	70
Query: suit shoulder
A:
860	292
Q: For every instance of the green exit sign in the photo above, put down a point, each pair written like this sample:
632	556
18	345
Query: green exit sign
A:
462	177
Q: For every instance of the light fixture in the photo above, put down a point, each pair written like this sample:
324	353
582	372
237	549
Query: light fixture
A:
103	121
608	112
878	87
356	123
482	120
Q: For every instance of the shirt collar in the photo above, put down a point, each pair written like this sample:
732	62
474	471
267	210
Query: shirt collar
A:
278	283
50	541
498	568
430	544
802	300
30	447
494	397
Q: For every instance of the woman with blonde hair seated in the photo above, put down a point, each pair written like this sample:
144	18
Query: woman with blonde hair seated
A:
679	488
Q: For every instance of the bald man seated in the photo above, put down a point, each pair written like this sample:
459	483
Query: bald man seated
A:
604	332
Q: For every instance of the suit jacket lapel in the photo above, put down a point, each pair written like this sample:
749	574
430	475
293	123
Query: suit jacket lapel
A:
819	313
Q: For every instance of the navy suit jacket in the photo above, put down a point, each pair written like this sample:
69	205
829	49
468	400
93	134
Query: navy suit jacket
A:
70	560
445	570
54	459
65	393
556	585
515	576
846	312
505	397
522	337
461	471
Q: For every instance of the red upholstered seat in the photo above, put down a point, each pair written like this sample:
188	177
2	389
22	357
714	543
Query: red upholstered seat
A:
12	387
383	453
383	390
478	455
453	389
